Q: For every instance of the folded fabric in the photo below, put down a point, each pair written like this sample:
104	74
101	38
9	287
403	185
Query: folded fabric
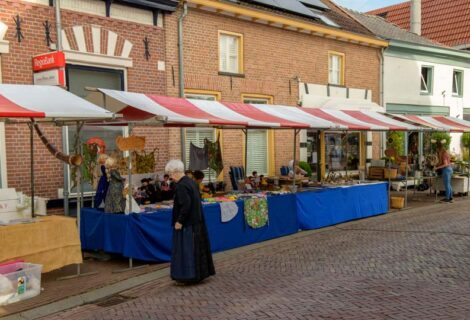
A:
256	212
228	211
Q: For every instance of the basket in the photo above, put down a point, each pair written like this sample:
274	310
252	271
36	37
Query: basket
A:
397	202
390	173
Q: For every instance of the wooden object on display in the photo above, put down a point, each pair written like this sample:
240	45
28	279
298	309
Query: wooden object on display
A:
132	143
74	160
376	173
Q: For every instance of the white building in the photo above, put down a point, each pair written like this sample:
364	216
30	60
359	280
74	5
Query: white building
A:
421	77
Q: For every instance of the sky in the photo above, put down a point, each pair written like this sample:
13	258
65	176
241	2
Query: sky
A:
366	5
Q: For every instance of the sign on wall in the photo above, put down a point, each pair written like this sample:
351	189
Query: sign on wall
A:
49	69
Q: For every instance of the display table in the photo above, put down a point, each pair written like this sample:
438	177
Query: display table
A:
459	184
148	236
52	241
331	206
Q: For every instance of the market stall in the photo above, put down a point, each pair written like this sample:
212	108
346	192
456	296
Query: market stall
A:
50	241
312	205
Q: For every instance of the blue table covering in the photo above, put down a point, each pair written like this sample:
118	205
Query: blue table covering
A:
331	206
148	236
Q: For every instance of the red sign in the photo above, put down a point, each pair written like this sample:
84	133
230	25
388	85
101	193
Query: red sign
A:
51	60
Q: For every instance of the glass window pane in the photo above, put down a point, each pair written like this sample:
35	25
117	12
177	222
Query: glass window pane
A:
342	151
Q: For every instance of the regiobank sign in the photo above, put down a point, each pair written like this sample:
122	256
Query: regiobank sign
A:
49	69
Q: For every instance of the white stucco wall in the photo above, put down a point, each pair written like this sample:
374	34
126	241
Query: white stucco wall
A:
402	80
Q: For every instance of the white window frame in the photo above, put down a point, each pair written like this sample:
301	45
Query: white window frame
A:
240	48
340	71
429	86
459	92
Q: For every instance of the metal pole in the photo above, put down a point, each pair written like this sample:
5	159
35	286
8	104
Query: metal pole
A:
58	25
31	141
389	185
468	174
295	156
347	153
319	150
406	169
129	174
246	151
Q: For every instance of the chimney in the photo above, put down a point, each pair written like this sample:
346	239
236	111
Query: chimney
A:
415	17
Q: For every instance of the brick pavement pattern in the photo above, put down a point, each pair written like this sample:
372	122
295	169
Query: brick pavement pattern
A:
407	265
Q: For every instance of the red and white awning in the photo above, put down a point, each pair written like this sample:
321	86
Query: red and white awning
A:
46	103
190	112
439	123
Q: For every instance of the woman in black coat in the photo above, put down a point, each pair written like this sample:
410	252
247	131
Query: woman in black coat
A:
191	260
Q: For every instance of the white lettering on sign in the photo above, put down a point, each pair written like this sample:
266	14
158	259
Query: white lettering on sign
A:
53	77
41	62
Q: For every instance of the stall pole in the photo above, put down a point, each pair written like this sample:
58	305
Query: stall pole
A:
31	141
347	153
79	188
319	150
129	195
406	168
389	185
296	132
245	131
468	174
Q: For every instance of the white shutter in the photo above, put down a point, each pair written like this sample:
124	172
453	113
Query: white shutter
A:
257	150
233	54
223	53
335	69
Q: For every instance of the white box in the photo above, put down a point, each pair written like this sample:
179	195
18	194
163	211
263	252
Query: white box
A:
19	281
8	205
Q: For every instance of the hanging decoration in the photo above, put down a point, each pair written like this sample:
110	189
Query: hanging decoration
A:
145	162
19	33
131	143
47	32
147	48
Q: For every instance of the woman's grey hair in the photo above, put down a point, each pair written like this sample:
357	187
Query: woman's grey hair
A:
174	166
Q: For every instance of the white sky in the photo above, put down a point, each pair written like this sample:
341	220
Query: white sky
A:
366	5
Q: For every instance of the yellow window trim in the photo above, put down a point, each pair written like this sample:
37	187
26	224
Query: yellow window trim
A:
216	94
343	63
269	98
299	26
240	49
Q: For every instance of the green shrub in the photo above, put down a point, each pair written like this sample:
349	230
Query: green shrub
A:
396	140
305	166
438	136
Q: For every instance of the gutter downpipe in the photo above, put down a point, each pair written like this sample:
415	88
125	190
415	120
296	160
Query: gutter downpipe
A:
181	72
382	98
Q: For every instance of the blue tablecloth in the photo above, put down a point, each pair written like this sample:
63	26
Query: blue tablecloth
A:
336	205
148	236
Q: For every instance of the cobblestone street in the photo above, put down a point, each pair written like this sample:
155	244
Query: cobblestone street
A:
412	264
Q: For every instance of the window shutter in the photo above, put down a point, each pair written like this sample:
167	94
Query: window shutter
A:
233	54
223	53
257	152
335	69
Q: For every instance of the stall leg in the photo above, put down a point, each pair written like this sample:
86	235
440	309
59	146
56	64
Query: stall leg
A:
406	169
129	195
296	132
79	187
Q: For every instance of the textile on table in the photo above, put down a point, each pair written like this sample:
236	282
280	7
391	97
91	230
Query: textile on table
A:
228	211
256	212
215	155
102	188
115	202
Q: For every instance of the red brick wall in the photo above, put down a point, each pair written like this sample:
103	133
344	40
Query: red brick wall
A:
272	57
16	68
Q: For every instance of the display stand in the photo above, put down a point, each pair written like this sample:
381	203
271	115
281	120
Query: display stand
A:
79	187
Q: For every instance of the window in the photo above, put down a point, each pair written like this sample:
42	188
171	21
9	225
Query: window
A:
196	136
457	83
426	80
230	52
257	148
79	77
466	116
342	151
336	68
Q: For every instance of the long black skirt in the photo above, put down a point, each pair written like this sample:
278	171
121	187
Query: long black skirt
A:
191	259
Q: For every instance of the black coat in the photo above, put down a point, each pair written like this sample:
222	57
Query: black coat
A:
187	208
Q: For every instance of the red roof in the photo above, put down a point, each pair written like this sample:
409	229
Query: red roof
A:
444	21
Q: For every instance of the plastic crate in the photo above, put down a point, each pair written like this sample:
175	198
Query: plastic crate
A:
19	281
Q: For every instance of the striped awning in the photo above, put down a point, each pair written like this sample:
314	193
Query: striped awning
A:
438	123
140	107
46	103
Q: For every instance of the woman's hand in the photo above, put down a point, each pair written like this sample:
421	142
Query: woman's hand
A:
178	226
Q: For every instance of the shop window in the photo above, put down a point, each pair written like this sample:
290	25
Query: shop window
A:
257	148
426	80
198	135
342	151
78	78
457	83
230	52
466	116
336	69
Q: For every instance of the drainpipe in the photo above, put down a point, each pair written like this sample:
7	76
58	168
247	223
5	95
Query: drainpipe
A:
181	71
58	24
382	97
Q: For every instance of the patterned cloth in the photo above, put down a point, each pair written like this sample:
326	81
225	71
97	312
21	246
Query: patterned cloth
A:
256	212
228	211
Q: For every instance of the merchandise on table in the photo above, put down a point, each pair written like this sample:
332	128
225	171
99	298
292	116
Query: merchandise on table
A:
256	212
19	281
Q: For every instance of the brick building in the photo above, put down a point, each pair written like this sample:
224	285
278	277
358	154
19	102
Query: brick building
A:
233	51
